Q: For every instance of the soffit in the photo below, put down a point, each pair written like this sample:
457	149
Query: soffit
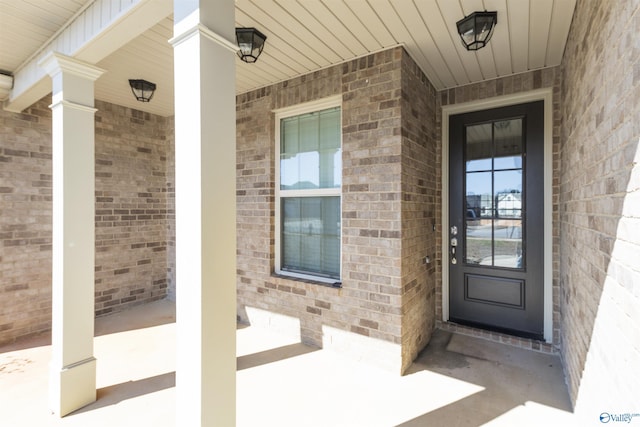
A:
27	25
307	35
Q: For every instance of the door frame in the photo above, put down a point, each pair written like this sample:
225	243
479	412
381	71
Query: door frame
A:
545	95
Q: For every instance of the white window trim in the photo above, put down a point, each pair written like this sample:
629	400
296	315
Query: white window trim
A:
283	113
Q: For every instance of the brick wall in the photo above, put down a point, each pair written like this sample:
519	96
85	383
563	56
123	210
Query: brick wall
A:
171	207
134	208
25	222
519	83
600	209
419	193
371	225
364	317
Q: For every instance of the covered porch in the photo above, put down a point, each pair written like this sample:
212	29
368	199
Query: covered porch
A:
109	204
457	380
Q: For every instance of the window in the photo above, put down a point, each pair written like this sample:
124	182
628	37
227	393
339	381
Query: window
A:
308	191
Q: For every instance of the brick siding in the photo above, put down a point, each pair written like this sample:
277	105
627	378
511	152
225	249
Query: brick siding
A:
420	188
25	222
365	315
171	208
134	211
600	209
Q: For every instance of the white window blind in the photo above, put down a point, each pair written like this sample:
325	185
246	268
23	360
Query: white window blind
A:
308	194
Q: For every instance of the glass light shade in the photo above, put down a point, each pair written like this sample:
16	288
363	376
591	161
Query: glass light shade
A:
251	42
476	29
142	89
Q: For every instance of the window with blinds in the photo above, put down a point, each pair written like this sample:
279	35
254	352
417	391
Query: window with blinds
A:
308	196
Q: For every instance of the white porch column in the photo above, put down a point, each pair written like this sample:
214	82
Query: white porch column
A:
73	368
204	65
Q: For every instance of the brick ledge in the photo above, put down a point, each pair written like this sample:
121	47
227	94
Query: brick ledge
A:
525	343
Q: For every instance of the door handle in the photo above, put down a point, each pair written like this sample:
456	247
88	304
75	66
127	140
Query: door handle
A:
454	244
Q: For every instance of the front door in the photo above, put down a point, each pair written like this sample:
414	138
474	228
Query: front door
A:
496	219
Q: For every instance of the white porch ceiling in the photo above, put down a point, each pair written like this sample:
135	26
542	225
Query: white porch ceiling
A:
306	35
27	25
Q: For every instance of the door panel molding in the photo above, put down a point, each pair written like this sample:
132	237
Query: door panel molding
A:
545	95
476	288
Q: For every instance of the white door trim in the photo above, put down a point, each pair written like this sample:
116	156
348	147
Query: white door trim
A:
545	95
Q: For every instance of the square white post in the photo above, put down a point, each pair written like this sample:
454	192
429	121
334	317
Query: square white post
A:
73	367
205	141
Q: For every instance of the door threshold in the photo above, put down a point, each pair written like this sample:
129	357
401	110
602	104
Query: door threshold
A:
496	336
498	329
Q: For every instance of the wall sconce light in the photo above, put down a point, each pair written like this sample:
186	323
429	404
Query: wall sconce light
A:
251	42
142	89
476	29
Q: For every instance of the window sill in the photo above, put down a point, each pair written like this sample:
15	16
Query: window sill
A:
336	285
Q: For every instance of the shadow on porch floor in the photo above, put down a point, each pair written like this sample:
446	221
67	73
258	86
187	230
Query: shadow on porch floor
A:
456	381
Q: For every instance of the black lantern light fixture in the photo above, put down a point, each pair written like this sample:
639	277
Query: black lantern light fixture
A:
142	89
476	29
251	42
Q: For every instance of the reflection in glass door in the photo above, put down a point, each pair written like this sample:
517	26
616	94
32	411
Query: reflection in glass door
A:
494	194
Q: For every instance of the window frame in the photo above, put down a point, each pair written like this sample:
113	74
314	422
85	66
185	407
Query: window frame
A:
280	114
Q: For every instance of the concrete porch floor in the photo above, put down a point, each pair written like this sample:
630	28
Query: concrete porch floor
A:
456	381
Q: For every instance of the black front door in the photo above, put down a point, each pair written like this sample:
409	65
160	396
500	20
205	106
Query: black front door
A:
496	218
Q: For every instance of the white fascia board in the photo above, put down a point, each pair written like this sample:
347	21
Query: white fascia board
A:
90	36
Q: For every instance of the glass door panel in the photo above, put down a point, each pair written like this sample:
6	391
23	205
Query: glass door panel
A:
493	183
